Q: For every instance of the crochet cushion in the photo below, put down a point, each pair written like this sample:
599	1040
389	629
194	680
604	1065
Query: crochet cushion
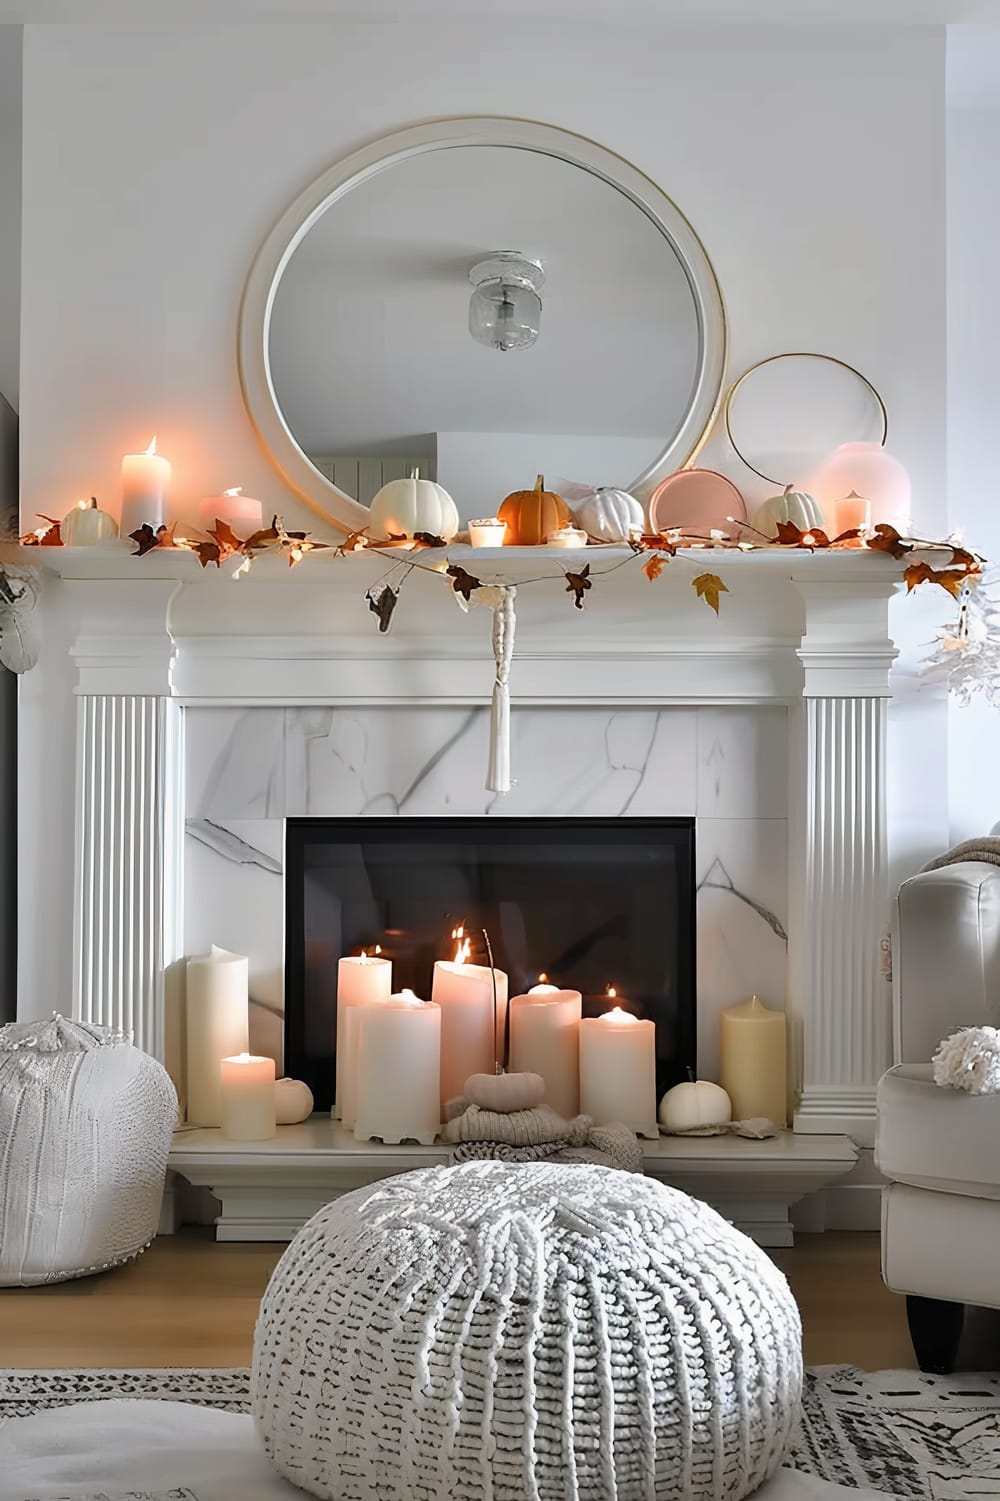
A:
565	1333
85	1127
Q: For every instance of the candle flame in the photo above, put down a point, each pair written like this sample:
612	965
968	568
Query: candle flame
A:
616	1016
378	948
151	450
364	953
543	978
462	946
236	490
611	991
243	1057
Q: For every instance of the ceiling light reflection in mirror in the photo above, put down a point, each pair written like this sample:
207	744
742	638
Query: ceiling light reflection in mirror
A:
384	354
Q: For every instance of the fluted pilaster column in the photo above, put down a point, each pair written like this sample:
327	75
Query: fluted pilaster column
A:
838	1001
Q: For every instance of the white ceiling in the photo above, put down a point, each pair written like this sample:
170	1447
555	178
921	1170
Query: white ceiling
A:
614	12
369	334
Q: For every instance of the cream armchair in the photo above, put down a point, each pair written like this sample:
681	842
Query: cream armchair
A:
939	1148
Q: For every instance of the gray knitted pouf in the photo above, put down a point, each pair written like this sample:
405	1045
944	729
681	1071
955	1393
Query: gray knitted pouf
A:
85	1127
525	1333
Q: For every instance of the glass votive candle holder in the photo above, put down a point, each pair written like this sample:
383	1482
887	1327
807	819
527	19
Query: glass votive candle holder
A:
567	536
487	533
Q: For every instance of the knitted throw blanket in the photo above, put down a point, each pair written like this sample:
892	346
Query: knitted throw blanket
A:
541	1135
984	849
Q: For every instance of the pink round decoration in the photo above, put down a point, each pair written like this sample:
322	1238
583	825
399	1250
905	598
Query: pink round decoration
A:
696	500
868	470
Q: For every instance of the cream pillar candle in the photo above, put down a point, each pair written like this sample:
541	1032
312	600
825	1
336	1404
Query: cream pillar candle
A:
488	532
471	1033
399	1082
618	1070
752	1047
145	482
233	507
248	1100
362	980
545	1040
217	1013
853	512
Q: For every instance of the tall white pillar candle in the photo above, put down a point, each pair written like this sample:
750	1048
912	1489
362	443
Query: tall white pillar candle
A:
362	980
248	1101
145	482
618	1071
217	1014
545	1040
471	1033
399	1056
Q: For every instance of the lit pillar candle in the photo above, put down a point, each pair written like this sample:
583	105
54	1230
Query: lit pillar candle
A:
618	1070
217	1014
399	1080
471	1031
545	1040
487	533
362	980
752	1048
248	1100
232	506
851	514
145	482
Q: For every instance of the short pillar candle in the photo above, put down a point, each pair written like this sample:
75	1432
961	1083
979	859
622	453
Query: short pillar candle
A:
545	1040
362	980
248	1102
618	1071
753	1061
471	1026
399	1058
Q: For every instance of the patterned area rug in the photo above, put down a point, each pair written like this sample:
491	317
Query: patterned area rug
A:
935	1438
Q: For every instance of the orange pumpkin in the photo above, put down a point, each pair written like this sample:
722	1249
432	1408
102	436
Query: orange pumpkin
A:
531	514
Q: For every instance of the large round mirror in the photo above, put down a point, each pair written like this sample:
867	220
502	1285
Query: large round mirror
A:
483	300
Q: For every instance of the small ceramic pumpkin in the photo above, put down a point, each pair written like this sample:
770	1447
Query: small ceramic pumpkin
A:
293	1101
803	510
531	514
405	506
696	1106
86	525
610	515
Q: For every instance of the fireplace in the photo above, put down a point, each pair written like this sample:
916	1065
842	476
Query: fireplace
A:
591	902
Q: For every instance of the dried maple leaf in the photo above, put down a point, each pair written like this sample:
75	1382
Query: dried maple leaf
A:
708	586
225	538
842	538
268	536
145	539
962	558
462	582
382	604
951	579
51	536
429	539
353	542
208	552
790	535
577	584
659	542
653	567
887	539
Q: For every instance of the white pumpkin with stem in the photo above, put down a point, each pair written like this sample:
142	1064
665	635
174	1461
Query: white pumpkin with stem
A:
404	507
696	1107
802	510
86	525
610	515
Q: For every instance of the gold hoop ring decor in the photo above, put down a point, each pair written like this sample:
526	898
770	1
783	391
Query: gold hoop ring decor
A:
795	354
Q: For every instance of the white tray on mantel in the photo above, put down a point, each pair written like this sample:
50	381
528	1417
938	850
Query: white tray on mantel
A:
268	1189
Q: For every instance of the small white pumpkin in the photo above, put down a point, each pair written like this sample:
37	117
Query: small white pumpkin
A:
610	515
293	1101
86	525
802	510
405	506
696	1106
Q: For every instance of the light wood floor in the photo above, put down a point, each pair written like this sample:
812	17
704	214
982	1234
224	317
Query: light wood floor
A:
188	1301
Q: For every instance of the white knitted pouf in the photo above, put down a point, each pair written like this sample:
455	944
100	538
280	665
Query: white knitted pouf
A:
85	1127
525	1333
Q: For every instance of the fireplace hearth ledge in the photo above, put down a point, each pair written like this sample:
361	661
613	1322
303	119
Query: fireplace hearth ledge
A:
268	1189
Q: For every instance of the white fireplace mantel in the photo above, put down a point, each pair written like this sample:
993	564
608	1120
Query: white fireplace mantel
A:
154	637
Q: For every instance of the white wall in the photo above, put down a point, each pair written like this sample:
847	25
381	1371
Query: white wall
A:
479	469
810	160
10	209
973	411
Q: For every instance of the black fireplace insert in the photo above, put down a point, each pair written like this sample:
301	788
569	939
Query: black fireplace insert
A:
591	903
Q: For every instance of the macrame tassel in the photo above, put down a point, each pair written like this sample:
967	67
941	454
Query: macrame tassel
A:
498	773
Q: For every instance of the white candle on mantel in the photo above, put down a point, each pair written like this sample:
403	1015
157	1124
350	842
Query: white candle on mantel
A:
145	482
545	1039
471	1034
248	1102
618	1070
233	507
217	1013
362	980
399	1071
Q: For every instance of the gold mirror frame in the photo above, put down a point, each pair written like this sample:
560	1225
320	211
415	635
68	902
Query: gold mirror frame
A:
333	504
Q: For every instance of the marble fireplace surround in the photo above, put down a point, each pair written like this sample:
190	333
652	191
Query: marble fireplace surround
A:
209	710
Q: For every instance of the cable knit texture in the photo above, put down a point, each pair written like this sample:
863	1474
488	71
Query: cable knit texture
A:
85	1126
492	1332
